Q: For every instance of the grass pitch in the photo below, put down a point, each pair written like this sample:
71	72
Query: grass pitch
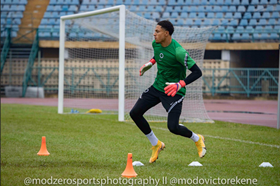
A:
96	146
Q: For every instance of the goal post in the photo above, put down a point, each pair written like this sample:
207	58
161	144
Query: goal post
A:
121	9
100	55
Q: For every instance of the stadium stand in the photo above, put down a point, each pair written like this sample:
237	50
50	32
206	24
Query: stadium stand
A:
253	16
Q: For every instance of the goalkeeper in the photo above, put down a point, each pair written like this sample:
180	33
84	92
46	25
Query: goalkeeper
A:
169	88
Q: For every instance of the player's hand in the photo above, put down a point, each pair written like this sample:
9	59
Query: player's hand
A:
146	67
173	88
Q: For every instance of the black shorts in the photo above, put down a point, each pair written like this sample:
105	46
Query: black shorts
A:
151	97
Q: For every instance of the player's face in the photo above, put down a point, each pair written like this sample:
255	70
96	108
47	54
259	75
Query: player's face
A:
160	34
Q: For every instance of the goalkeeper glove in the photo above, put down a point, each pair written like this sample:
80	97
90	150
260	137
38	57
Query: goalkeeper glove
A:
173	88
146	66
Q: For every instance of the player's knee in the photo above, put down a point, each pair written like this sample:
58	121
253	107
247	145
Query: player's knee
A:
173	128
133	113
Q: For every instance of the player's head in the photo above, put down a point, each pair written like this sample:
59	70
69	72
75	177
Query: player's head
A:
164	29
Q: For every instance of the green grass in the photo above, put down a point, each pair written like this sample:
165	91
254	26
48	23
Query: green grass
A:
96	146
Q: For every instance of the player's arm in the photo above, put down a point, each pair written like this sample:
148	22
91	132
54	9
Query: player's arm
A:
173	88
147	66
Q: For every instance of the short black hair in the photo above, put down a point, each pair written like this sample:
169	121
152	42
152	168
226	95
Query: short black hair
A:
167	25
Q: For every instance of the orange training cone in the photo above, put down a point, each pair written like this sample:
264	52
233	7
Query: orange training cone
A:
129	170
43	151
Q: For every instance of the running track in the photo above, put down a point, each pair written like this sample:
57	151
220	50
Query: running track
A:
239	111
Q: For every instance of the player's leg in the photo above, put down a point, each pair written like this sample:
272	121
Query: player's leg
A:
147	100
173	106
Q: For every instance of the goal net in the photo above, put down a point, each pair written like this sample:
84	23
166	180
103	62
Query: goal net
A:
100	69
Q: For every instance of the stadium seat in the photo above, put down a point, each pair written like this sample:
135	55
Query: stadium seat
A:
197	22
155	15
165	15
177	9
256	15
158	9
174	15
212	2
152	2
273	2
244	2
189	22
234	22
220	2
274	36
141	9
147	15
240	29
258	29
244	22
169	9
247	15
272	21
102	2
180	22
245	36
228	15
52	2
262	22
136	2
172	2
217	9
251	9
188	2
269	8
192	15
232	9
264	2
180	2
235	2
253	22
150	9
110	2
210	15
208	9
275	15
207	22
201	15
193	9
216	22
277	27
237	15
184	15
219	15
83	8
228	2
119	2
241	9
133	8
162	2
266	15
201	9
264	36
255	2
236	36
260	8
205	2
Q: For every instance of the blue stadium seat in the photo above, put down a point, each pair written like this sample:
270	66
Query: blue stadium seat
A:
4	14
172	2
184	15
274	36
174	15
162	2
180	2
73	8
236	36
147	15
212	2
155	15
217	9
205	2
219	15
262	22
249	29
273	2
228	2
240	29
150	9
237	15
201	15
208	9
258	29
145	2
268	27
119	2
234	22
152	2
17	15
193	9
266	15
253	22
225	22
177	9
210	15
52	2
133	8
158	9
245	36
47	15
260	8
277	27
216	22
251	9
5	8
83	8
264	2
180	22
142	9
207	22
197	22
244	2
201	9
110	2
235	2
269	8
255	2
165	15
189	22
136	2
272	21
172	21
228	15
188	2
275	15
101	2
186	9
169	9
232	9
241	9
192	15
247	15
257	15
244	22
264	36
